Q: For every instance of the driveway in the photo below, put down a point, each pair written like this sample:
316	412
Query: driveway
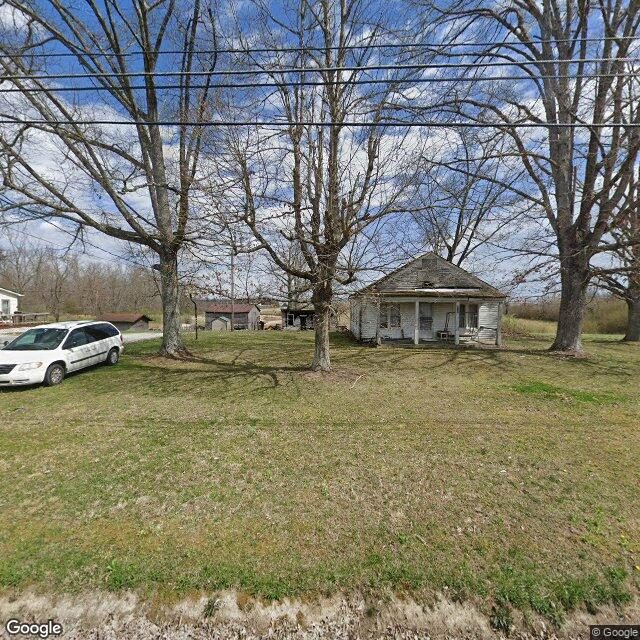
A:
137	336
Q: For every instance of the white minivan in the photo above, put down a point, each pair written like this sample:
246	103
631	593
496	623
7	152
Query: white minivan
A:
48	352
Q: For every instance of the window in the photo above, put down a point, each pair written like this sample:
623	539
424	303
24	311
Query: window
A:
468	316
389	316
5	307
37	339
426	316
384	316
78	338
101	331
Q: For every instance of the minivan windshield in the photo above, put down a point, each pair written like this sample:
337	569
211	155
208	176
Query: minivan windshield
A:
37	340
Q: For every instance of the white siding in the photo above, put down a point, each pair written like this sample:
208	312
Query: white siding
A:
488	320
364	319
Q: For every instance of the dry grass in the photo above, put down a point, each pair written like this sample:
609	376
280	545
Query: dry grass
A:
505	476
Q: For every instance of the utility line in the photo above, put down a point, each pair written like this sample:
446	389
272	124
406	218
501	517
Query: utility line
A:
81	253
244	72
391	45
314	83
313	123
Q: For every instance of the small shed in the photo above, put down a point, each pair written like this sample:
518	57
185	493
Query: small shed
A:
9	302
245	316
128	321
221	323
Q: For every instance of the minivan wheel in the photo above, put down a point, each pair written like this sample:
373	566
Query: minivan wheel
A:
113	356
54	375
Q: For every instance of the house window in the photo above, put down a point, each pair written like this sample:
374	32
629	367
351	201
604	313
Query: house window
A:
383	321
468	316
394	316
426	316
389	316
5	307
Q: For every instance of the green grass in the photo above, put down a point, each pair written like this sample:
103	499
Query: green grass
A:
509	477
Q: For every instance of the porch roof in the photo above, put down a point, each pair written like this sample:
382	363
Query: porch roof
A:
430	276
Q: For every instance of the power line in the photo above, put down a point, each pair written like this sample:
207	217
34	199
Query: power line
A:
244	72
313	123
355	47
314	83
75	251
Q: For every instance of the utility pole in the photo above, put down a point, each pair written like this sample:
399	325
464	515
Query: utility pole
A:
233	283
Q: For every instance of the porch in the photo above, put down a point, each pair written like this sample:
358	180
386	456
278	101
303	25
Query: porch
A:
422	321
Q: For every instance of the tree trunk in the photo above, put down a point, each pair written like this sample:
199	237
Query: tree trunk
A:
633	322
322	313
171	339
574	280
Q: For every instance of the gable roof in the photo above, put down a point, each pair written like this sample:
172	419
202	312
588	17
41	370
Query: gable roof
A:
226	308
432	276
11	293
124	317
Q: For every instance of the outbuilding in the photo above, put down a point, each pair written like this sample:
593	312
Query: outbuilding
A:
245	316
128	321
9	302
428	300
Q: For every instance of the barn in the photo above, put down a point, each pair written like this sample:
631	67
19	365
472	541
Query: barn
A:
128	321
428	300
245	316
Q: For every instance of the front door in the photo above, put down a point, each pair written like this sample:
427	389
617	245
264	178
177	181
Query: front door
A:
425	319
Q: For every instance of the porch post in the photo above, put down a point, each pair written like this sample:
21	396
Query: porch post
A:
416	328
499	331
457	333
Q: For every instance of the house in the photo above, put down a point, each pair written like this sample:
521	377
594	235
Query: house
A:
9	302
301	317
426	300
127	321
245	316
221	323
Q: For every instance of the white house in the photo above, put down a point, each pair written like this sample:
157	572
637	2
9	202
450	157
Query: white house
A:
428	300
8	303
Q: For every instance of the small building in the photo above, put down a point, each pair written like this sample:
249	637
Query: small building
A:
128	321
221	323
245	316
301	317
428	300
9	303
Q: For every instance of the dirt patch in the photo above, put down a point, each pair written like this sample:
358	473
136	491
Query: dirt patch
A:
227	616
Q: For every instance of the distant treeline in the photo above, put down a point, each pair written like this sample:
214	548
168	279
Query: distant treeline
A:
604	314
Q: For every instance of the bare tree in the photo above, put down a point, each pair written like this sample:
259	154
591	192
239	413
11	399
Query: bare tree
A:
132	182
316	188
461	213
577	176
623	278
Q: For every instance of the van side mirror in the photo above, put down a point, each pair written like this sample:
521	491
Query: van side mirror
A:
5	343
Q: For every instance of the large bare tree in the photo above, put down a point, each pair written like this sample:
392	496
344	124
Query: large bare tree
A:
316	192
131	182
572	55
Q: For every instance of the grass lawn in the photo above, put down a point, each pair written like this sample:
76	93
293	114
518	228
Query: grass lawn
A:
509	477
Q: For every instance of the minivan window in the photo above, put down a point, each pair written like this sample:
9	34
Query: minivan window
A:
37	340
78	338
101	331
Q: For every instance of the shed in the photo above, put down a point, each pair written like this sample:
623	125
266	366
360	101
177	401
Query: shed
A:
427	300
128	321
9	303
221	323
245	316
